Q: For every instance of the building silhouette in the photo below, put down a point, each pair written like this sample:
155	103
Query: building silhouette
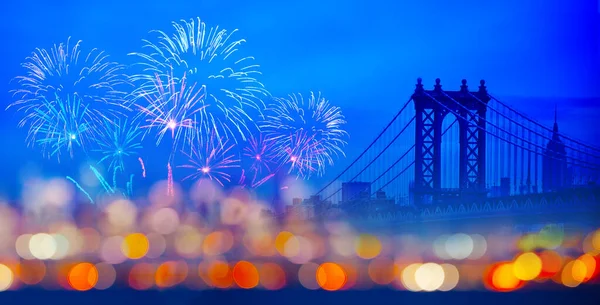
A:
555	173
355	190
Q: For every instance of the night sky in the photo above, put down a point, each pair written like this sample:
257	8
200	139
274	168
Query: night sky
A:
364	56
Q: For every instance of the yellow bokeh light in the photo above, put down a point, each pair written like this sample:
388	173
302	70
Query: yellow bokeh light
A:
6	277
504	278
590	264
135	246
573	273
367	246
281	240
527	266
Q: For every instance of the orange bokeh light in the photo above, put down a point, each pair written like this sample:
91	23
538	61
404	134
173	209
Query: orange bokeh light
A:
590	264
551	263
216	273
331	276
272	276
141	276
217	243
170	273
31	272
381	271
83	276
245	275
500	277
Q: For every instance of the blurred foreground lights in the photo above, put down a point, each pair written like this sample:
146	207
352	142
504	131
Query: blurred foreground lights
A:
121	214
381	271
165	221
306	276
245	275
171	273
135	246
6	277
331	276
590	266
216	274
106	276
42	246
551	263
429	276
367	246
83	276
459	246
272	276
111	250
141	276
451	277
527	266
409	279
501	277
217	243
573	273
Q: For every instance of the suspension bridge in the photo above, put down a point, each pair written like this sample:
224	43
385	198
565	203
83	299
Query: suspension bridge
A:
463	154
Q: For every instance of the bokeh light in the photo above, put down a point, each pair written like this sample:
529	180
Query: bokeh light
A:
245	275
429	276
527	266
272	276
367	246
83	276
135	246
6	277
331	276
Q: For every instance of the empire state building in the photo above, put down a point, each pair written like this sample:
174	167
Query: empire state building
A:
555	175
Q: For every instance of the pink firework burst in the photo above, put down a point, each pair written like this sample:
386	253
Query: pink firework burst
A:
261	156
211	159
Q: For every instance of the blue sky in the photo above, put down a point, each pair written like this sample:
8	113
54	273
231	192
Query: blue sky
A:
363	55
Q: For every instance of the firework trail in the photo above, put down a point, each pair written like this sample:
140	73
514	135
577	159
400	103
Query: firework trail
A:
211	159
208	57
130	186
80	188
260	154
118	141
115	176
143	167
171	107
307	135
169	180
57	125
67	72
102	181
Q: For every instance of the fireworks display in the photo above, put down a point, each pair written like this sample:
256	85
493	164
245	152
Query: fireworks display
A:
261	157
58	126
118	141
308	135
210	60
65	72
211	160
171	108
197	87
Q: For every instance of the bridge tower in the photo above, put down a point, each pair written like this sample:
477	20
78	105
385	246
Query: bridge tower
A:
431	107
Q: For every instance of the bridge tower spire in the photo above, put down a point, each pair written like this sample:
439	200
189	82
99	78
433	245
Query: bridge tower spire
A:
431	107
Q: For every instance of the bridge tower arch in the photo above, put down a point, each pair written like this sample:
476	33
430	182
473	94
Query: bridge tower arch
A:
431	106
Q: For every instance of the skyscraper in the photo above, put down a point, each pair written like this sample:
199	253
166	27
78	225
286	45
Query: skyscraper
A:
555	174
